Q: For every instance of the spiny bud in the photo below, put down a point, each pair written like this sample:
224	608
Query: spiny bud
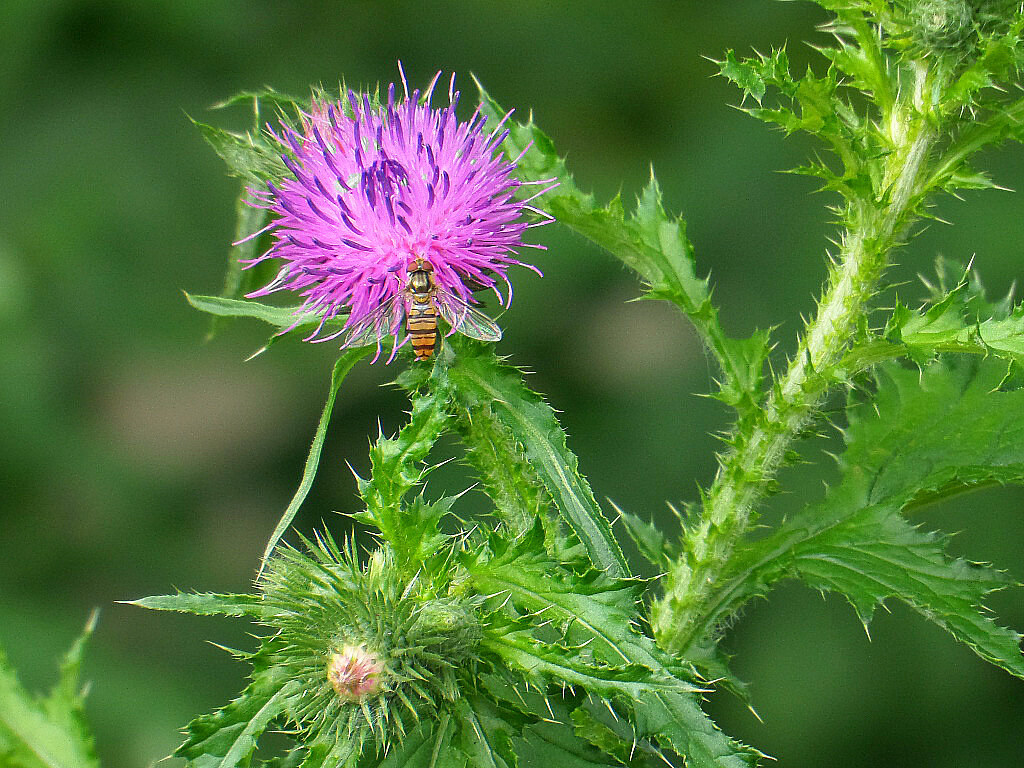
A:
995	16
941	26
354	672
371	649
449	626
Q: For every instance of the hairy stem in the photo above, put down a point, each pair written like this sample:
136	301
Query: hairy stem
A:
875	227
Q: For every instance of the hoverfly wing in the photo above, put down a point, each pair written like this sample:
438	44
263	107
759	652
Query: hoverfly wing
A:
378	325
465	319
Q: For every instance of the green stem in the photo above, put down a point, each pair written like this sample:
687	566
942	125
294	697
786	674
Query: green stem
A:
874	230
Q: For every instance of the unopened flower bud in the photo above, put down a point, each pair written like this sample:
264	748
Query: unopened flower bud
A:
354	672
942	25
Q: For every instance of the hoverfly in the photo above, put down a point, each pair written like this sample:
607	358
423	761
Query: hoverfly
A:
422	302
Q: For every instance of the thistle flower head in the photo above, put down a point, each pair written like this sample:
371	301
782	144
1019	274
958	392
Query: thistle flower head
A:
377	192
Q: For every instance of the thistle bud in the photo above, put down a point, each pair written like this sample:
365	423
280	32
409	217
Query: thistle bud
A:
371	649
941	26
449	626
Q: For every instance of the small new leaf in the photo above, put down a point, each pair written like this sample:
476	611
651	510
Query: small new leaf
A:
952	324
396	467
651	542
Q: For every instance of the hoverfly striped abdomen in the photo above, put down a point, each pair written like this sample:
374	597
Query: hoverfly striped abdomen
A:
421	313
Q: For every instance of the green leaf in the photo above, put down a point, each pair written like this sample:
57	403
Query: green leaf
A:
479	380
51	732
486	731
339	754
341	368
926	435
280	317
677	721
501	465
600	614
228	737
65	702
428	746
610	742
754	75
948	326
548	663
238	280
957	317
946	426
863	64
591	608
648	240
284	104
650	540
396	467
551	744
205	604
249	156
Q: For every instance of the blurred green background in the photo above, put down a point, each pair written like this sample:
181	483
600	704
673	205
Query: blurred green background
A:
134	458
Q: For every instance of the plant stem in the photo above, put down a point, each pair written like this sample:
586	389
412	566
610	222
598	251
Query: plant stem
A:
874	228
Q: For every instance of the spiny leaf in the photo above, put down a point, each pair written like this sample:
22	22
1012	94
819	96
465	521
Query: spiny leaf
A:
926	434
479	379
486	731
428	746
501	465
602	736
677	722
863	63
592	608
46	733
249	156
651	542
396	468
948	325
555	744
599	613
648	240
341	368
925	431
228	737
205	604
957	317
283	103
547	663
754	75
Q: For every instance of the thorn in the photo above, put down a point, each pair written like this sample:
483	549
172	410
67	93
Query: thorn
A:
550	710
667	761
612	711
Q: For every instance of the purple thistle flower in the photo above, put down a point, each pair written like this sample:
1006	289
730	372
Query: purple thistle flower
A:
397	213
